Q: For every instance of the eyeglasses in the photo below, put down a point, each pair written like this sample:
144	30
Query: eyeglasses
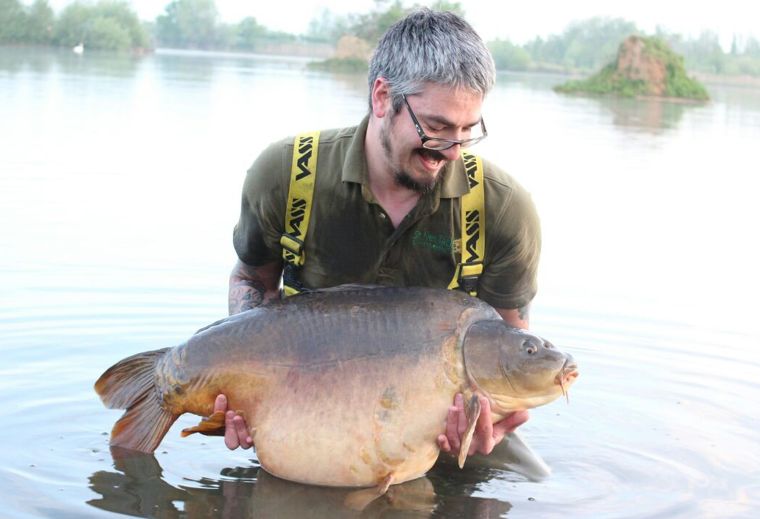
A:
439	144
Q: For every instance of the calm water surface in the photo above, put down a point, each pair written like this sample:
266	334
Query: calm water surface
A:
119	187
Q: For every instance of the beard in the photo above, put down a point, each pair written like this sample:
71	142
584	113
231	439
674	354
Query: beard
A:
402	177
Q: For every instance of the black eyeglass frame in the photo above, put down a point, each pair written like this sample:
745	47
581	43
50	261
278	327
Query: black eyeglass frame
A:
449	143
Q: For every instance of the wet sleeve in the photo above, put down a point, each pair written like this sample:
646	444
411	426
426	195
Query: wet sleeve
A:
256	236
513	245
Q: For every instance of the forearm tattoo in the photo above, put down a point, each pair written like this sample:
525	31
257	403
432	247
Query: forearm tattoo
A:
523	312
246	295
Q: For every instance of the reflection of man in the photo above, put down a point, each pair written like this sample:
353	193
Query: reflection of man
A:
386	206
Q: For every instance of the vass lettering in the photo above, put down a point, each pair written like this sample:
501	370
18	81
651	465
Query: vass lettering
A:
296	217
470	167
473	235
305	147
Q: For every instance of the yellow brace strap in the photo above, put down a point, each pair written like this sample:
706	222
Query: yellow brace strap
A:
300	198
473	222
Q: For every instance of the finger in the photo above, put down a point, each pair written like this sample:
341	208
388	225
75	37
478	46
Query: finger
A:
462	418
230	434
510	422
483	430
452	426
220	404
443	443
517	419
241	430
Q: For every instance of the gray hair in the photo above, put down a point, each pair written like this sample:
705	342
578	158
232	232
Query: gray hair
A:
431	47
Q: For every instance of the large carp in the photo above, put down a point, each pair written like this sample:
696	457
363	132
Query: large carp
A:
340	387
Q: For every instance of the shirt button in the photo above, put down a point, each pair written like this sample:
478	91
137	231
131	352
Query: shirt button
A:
383	216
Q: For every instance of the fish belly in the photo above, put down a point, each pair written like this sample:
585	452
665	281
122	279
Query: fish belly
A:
342	388
355	424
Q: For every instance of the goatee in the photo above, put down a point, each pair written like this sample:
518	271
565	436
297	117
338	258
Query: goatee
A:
404	179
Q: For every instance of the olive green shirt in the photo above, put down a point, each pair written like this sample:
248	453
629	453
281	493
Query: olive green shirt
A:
352	240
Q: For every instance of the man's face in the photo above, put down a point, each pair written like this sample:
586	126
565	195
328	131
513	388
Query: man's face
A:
443	112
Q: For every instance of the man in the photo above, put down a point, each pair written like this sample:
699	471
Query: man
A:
387	198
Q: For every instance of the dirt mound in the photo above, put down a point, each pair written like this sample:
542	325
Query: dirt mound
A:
645	66
635	63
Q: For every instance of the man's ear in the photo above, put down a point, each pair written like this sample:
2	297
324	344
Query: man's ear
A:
381	98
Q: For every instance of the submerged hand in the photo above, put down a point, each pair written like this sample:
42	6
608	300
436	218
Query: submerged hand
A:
486	435
235	429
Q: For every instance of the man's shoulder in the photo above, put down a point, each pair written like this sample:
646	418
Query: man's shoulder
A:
326	137
498	177
272	167
504	193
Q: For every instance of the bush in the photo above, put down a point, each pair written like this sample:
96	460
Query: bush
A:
107	34
508	56
108	25
12	21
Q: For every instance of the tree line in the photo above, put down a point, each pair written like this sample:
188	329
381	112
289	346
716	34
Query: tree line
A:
112	24
585	45
591	44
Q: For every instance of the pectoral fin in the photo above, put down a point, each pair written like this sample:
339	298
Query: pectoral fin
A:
473	412
210	425
360	499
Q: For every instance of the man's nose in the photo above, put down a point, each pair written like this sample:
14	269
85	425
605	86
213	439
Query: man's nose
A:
452	153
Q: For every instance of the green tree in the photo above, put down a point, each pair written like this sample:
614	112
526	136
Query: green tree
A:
752	48
371	26
444	5
248	33
188	23
108	25
40	21
120	12
107	34
12	21
72	25
585	44
328	26
508	56
702	53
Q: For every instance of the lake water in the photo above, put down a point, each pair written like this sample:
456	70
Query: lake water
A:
119	188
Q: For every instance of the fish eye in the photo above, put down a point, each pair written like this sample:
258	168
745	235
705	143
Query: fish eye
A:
530	349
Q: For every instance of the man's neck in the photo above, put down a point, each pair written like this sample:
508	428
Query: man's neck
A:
395	199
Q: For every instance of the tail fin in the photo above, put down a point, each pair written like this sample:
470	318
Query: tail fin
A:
130	384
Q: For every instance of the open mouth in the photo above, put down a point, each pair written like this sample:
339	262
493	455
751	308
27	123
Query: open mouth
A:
431	159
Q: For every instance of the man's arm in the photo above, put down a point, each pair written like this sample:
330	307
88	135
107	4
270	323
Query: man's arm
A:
517	317
252	286
249	287
486	435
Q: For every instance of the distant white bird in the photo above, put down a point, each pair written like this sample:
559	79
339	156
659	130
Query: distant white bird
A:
79	48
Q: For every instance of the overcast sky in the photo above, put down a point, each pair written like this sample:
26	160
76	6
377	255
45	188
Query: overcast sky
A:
528	18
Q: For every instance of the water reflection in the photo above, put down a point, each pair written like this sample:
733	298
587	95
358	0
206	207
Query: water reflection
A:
15	60
650	115
92	63
138	488
351	81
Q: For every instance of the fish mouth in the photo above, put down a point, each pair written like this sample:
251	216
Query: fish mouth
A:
566	376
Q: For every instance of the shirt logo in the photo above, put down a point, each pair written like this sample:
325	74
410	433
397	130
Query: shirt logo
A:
434	242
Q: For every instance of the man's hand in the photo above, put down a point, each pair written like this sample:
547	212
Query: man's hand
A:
486	435
235	429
